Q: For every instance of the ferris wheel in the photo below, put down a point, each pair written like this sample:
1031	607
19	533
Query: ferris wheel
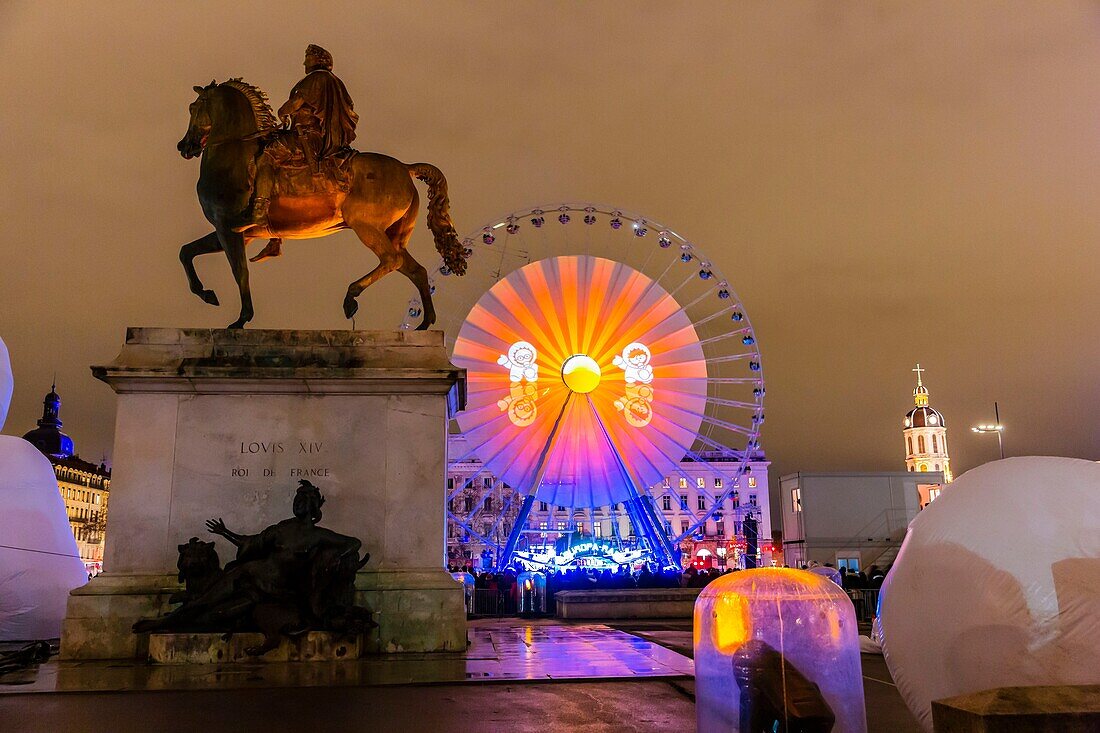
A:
603	350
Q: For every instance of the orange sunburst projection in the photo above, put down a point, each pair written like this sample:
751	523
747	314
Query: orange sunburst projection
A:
584	373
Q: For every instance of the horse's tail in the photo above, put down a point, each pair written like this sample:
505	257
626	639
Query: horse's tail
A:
439	217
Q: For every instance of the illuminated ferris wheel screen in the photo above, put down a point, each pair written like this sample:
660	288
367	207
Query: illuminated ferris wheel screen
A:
586	380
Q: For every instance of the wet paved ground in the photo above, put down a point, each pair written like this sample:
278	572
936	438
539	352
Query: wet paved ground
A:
532	676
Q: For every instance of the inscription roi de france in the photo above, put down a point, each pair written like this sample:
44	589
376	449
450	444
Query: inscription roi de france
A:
274	448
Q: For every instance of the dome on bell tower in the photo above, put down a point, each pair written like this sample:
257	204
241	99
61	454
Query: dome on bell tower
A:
47	437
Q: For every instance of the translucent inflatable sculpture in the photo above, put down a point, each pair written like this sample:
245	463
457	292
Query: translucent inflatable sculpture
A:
39	562
777	649
532	592
998	584
467	581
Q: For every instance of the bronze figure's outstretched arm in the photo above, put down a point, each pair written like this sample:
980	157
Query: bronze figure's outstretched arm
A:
217	526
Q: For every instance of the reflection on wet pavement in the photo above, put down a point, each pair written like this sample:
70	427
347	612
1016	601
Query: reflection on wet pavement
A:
500	650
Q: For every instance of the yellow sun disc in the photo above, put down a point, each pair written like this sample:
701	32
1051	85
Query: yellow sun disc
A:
581	373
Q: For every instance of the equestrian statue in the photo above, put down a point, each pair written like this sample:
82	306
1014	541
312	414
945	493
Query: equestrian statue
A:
295	176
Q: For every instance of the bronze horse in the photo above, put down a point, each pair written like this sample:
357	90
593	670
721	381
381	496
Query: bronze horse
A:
228	127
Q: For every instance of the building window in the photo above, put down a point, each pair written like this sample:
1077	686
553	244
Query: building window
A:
717	483
850	563
920	443
684	526
752	499
702	503
720	528
752	481
469	502
683	483
700	483
932	494
450	484
735	500
561	526
487	482
561	509
923	467
666	503
542	506
597	529
683	502
542	526
909	442
488	503
666	483
935	447
451	505
796	500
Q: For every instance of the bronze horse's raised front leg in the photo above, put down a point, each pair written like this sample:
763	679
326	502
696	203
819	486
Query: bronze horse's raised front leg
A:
188	253
233	245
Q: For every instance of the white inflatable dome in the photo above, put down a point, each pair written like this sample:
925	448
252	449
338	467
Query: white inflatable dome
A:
39	561
998	584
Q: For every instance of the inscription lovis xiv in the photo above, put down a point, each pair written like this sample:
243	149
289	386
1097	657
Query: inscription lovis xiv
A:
272	448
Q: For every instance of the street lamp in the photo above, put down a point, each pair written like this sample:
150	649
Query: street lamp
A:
994	428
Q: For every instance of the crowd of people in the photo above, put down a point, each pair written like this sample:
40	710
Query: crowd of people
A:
504	584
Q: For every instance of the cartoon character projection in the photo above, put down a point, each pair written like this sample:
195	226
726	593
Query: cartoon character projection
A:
634	361
520	362
523	373
636	402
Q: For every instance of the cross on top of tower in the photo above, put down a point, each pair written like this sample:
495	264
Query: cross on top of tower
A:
920	394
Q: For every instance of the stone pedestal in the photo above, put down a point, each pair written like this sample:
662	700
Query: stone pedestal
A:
316	646
217	423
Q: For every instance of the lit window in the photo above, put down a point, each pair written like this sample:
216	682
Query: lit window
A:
597	529
700	483
542	525
752	481
932	494
683	483
796	500
561	526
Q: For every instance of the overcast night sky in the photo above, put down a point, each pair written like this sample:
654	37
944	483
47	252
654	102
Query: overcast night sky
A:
883	184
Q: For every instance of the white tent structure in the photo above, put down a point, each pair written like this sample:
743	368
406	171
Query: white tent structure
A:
39	561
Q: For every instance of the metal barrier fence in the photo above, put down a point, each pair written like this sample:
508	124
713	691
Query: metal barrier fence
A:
489	602
865	601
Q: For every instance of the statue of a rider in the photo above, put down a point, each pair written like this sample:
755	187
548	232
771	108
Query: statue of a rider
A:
322	120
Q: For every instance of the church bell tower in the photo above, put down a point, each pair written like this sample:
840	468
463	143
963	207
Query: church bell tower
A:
925	435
